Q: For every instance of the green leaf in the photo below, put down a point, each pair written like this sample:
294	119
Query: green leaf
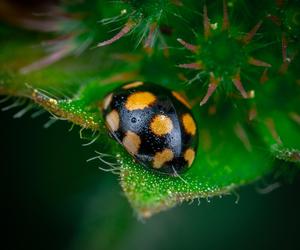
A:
231	152
225	159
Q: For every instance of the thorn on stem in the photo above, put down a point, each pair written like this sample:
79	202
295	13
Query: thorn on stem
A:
275	19
238	84
225	25
249	36
177	3
188	46
272	129
48	60
295	117
285	65
280	3
128	27
252	114
259	63
196	65
242	135
211	88
206	23
264	77
284	47
150	38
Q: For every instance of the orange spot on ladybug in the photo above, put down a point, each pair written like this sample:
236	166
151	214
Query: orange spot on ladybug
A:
132	85
132	142
161	125
189	156
162	157
180	98
140	100
113	120
189	124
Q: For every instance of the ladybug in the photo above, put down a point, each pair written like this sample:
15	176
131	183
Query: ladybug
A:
154	124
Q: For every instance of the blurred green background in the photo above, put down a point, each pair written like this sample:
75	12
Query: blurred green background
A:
54	199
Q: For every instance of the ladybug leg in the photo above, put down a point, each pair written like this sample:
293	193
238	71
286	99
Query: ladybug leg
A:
175	174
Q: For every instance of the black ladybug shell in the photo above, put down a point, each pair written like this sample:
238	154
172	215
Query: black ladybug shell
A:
154	124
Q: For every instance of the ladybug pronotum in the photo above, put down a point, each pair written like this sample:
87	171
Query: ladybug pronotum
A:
154	124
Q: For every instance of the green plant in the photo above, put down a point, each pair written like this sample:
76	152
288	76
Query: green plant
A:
236	62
